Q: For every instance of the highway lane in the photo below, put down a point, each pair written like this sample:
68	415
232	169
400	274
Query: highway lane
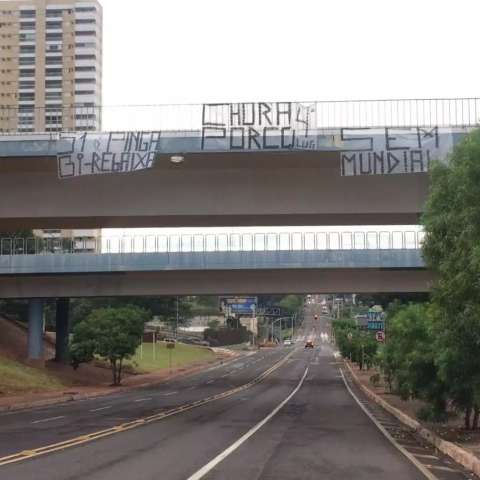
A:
28	429
320	433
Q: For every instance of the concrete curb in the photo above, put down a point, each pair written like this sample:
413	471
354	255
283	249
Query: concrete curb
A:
85	396
463	457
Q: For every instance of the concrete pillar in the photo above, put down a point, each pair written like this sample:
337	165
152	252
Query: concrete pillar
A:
35	329
62	330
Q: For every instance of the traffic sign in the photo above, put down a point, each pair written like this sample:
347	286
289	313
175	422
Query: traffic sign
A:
380	336
376	325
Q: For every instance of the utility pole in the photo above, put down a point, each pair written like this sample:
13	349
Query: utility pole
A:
176	323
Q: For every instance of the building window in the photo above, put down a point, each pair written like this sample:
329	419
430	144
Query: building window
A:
27	48
85	21
27	37
85	57
26	109
27	13
85	116
53	36
27	25
26	84
27	72
86	9
53	60
53	84
26	60
54	12
53	95
54	25
53	118
86	33
85	80
53	48
85	92
86	45
53	72
85	69
25	121
26	96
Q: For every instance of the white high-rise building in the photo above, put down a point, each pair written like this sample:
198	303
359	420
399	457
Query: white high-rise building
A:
50	65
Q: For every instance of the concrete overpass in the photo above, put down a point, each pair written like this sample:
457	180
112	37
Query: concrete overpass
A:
221	185
322	262
210	273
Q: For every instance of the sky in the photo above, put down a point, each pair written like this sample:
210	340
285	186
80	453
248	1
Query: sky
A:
190	51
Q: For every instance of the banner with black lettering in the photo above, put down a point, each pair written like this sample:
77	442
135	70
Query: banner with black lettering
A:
258	126
385	151
97	153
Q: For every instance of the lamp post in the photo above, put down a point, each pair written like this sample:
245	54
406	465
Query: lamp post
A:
274	322
176	323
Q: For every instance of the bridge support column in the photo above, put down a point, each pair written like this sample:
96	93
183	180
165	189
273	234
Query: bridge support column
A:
62	327
35	329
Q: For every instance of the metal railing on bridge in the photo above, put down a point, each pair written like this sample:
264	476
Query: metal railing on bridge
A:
219	242
441	112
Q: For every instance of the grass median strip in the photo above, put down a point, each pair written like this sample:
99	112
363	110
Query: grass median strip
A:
73	442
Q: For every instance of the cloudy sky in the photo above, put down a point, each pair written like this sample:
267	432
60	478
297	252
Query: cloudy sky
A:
191	51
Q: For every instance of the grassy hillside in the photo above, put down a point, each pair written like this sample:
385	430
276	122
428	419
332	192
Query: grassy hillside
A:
16	378
182	355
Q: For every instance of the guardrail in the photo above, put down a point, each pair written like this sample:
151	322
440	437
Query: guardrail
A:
442	112
232	242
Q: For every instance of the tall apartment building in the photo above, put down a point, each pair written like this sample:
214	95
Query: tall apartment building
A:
50	65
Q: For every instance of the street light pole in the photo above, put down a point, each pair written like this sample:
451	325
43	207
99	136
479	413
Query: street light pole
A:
176	323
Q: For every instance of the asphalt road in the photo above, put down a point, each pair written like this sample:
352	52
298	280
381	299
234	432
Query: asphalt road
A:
312	428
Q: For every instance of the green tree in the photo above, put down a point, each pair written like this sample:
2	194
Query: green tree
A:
112	334
452	251
408	359
292	303
164	307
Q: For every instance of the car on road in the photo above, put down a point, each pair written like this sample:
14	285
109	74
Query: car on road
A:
287	341
309	344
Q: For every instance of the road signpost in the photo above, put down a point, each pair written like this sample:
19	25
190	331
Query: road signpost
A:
170	346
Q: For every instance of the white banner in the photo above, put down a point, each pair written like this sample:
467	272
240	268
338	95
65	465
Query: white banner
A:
97	153
258	126
385	151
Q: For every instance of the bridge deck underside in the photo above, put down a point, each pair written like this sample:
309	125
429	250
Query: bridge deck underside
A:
208	189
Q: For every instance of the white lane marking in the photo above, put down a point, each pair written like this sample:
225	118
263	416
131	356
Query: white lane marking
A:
411	457
210	381
191	388
51	419
101	408
219	458
143	399
169	393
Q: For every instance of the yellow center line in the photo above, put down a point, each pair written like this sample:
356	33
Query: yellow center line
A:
73	442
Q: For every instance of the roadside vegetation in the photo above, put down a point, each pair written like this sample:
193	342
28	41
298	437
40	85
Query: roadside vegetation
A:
432	348
111	334
17	378
149	357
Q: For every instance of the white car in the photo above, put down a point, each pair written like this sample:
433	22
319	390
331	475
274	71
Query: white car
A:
287	342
